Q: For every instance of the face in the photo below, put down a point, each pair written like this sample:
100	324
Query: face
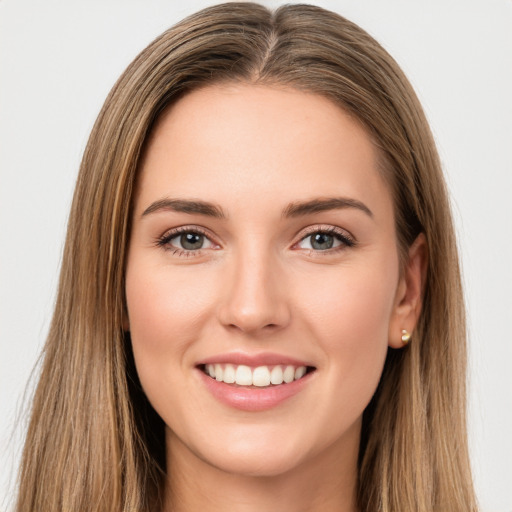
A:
262	280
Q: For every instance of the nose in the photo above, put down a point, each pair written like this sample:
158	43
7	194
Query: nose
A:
255	299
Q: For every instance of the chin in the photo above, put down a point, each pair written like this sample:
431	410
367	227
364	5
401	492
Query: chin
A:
255	464
244	451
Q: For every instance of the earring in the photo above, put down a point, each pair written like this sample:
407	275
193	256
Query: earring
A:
406	336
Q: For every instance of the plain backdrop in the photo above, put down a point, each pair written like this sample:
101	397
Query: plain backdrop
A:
58	60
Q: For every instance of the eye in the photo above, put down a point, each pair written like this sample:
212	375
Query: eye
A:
185	241
325	239
190	241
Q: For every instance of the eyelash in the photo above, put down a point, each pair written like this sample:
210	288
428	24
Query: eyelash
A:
164	240
346	240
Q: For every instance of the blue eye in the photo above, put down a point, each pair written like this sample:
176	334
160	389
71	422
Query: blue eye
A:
190	241
185	241
322	241
325	239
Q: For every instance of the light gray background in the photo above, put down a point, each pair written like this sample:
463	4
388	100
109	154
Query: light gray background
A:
58	60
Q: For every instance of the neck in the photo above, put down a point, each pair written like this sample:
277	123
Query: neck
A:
325	482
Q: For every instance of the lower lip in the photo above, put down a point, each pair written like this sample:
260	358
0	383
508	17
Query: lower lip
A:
253	398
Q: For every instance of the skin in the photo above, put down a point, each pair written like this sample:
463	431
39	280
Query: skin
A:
258	285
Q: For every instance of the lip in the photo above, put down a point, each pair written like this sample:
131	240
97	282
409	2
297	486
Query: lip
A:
251	398
254	360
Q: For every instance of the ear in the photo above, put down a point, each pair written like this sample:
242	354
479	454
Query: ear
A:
409	293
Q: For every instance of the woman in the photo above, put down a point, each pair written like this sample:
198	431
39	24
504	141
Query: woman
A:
260	289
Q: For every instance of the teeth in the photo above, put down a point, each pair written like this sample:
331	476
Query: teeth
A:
229	374
261	376
276	375
300	372
243	376
219	372
289	374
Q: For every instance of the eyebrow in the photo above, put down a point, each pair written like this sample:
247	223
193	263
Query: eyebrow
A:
300	208
186	206
295	209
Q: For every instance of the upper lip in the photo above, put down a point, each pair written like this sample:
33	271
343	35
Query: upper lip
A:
254	360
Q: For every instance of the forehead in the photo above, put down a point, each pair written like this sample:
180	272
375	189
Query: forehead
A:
233	142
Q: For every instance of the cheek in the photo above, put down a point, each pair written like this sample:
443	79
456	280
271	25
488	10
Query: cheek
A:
349	318
163	305
166	311
353	304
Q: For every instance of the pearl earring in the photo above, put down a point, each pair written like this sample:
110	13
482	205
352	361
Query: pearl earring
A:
406	336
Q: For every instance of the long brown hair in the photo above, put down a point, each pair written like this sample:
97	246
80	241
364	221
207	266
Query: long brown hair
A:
94	443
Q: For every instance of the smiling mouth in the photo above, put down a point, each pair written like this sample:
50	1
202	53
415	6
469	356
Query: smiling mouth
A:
260	376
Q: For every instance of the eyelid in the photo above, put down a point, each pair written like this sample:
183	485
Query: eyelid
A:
163	240
345	235
346	239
